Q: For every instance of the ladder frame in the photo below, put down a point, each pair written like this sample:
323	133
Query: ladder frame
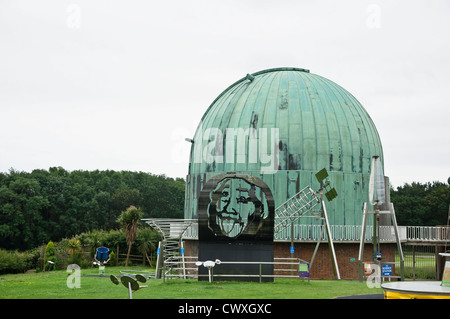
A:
376	240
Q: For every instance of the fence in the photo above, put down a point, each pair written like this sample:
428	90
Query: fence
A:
420	262
340	233
133	260
186	267
419	243
428	233
352	233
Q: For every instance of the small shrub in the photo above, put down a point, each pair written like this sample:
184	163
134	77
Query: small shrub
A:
12	262
50	256
112	258
32	258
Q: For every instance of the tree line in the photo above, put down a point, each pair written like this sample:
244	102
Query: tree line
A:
421	204
44	205
54	204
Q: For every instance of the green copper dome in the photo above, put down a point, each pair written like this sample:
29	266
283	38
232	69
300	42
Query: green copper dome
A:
283	125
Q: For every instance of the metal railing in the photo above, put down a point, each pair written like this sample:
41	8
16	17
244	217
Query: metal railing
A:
187	269
427	233
352	233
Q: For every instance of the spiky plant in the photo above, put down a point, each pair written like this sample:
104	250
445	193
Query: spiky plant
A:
129	220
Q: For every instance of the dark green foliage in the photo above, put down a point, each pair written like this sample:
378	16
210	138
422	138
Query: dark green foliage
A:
50	205
419	204
12	262
80	249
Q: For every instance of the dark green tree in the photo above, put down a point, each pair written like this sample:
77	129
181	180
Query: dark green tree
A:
124	197
129	220
421	204
53	204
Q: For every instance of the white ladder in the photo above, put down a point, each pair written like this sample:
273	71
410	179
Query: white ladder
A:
294	208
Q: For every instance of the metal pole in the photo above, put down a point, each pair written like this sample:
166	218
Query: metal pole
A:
163	255
374	237
292	242
375	240
399	244
260	273
361	245
448	221
159	260
414	261
330	239
317	246
182	259
331	246
130	292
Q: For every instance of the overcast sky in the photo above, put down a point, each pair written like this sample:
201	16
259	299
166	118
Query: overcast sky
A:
120	84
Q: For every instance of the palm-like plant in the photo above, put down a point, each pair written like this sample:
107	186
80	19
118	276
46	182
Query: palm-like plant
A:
129	221
146	239
74	245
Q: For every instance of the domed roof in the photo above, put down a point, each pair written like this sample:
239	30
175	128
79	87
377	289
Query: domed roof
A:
318	124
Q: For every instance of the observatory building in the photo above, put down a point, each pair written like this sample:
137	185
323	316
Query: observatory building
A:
283	125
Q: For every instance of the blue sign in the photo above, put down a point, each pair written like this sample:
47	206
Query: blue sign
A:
182	251
157	250
387	270
292	249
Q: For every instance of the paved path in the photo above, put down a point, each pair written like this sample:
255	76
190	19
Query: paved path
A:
371	296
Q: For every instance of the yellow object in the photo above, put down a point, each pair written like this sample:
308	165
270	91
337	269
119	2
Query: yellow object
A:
415	290
403	295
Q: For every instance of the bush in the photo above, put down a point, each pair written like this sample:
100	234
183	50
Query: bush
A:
32	258
50	258
79	250
112	258
12	262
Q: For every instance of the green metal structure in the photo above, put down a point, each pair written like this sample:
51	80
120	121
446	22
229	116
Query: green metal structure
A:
284	125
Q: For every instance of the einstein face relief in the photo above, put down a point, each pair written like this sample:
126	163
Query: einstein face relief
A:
236	207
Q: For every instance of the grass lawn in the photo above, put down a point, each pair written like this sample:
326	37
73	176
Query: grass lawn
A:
53	285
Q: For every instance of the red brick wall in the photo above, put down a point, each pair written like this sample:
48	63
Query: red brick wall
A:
346	255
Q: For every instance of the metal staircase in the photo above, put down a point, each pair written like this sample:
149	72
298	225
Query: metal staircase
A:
170	258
